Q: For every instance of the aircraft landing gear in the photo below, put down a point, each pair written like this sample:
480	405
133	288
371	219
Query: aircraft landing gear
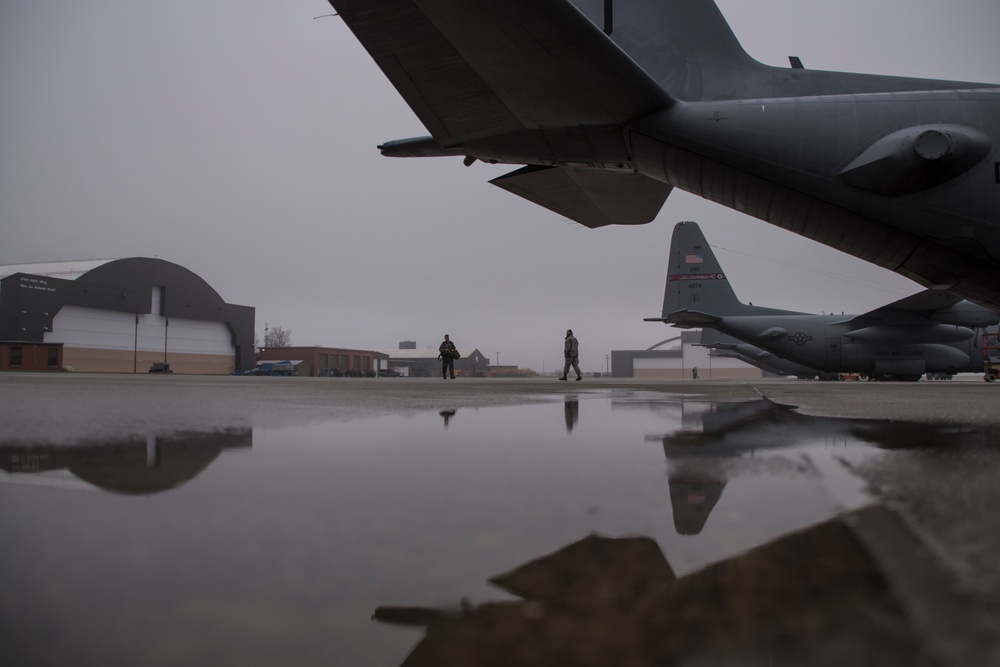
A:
991	356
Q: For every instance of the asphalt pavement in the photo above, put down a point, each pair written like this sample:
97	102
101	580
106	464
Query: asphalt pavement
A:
934	529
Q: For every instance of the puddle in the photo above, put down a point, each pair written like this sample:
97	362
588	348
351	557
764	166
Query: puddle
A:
279	544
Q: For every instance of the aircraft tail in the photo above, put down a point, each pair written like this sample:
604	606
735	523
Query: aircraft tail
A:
698	293
684	45
688	48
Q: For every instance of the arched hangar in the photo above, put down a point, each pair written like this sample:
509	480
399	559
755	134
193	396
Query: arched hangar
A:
120	316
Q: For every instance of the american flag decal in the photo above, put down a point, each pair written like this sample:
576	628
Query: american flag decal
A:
693	259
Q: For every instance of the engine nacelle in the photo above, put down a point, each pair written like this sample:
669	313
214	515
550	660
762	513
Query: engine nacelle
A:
916	158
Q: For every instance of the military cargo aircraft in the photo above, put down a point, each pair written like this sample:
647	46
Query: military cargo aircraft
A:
611	105
932	331
722	345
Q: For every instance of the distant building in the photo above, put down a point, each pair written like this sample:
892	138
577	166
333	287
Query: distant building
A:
425	363
119	316
314	360
678	363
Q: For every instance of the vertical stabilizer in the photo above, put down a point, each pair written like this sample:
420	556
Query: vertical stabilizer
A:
698	293
684	45
695	281
689	49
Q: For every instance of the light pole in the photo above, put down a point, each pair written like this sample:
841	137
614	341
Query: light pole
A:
135	345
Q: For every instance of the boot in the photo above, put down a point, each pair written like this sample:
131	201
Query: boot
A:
563	378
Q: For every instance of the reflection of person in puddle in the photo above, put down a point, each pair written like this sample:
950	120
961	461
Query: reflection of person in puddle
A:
447	414
572	407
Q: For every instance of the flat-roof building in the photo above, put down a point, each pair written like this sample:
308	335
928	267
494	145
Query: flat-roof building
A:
425	362
315	359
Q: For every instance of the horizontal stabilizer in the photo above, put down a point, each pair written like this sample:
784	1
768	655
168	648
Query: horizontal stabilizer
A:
592	198
417	147
719	341
686	319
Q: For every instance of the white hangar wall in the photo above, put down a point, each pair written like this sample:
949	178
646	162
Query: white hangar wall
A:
122	316
107	341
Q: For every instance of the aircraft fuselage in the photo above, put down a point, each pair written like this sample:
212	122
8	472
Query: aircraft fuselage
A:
611	105
829	343
787	161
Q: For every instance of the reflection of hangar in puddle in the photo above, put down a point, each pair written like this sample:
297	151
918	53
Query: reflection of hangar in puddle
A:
119	316
130	466
679	362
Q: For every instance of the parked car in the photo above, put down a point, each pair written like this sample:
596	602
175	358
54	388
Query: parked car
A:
160	367
388	373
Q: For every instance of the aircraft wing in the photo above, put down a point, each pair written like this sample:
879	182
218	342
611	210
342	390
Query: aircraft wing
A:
476	68
924	304
591	197
934	307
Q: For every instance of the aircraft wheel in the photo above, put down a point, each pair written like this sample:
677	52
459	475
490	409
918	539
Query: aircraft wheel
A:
990	377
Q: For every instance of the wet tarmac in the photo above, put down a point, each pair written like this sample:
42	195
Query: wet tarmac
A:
187	521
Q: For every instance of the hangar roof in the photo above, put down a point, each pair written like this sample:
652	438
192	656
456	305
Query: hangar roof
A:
67	270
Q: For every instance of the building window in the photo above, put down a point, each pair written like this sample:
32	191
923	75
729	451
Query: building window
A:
15	356
53	356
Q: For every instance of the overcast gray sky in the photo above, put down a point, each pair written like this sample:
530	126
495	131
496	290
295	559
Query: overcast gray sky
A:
237	139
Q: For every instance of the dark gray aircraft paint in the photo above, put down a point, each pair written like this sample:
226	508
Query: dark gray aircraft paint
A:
722	345
612	105
929	332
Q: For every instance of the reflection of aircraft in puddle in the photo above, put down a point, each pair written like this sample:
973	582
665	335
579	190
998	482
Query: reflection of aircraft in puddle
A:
736	428
715	439
447	414
693	495
710	433
129	465
817	597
